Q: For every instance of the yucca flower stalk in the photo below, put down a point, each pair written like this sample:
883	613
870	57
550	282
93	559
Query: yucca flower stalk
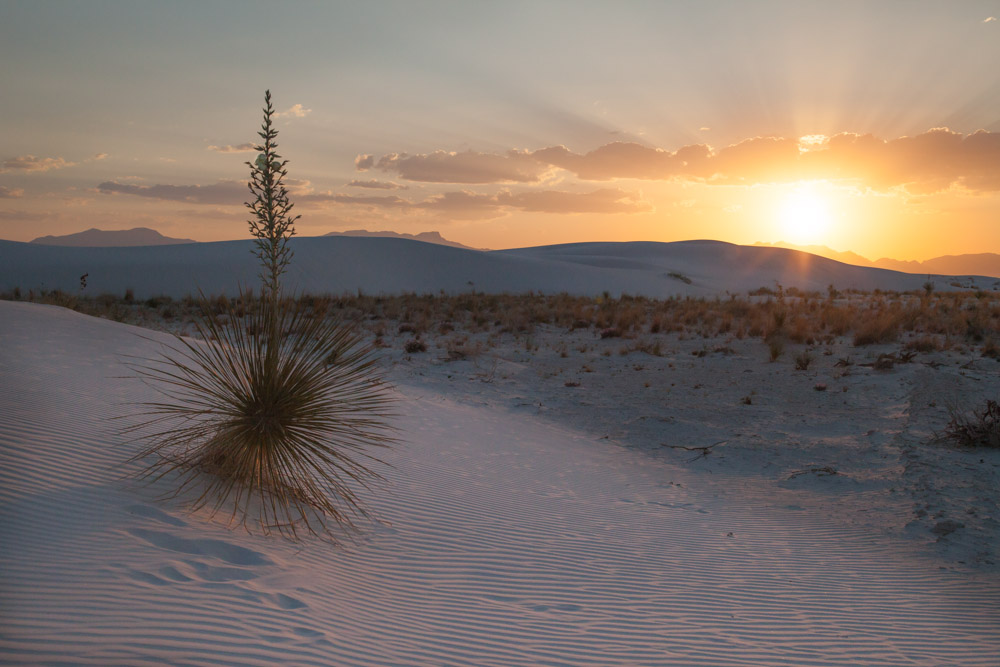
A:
270	417
271	224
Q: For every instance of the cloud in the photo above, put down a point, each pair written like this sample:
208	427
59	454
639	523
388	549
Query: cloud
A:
466	167
377	185
606	200
929	162
247	147
30	163
989	19
297	186
27	216
466	204
10	193
99	156
364	162
225	193
294	111
619	159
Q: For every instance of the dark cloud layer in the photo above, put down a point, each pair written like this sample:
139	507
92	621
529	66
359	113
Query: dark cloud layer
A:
227	193
465	204
466	167
374	184
457	204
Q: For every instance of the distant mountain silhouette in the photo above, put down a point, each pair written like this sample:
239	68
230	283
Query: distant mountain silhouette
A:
426	237
98	238
979	264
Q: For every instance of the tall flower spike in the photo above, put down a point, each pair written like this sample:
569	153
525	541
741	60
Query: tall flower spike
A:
271	224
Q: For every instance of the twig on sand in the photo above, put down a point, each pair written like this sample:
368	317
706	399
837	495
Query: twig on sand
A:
705	451
820	471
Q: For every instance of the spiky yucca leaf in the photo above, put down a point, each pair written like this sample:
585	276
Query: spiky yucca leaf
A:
279	436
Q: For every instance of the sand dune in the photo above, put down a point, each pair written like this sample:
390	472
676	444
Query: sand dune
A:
386	266
506	540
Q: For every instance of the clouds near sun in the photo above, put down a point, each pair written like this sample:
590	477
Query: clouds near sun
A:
935	160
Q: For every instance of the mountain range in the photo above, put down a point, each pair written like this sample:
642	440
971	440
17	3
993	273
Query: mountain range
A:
976	264
121	238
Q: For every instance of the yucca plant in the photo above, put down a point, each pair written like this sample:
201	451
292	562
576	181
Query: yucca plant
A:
273	415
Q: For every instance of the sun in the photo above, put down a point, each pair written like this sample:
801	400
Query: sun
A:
805	215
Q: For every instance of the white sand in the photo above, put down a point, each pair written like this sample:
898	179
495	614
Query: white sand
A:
511	537
335	265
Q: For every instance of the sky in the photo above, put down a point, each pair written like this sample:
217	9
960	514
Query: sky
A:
865	126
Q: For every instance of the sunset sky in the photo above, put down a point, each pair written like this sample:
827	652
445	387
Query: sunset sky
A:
870	126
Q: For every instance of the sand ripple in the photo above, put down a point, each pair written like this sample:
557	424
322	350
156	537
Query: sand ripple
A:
505	542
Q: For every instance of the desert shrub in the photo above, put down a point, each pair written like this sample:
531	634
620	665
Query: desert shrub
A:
878	328
415	345
775	346
885	362
977	428
270	418
676	275
802	361
923	344
59	298
977	326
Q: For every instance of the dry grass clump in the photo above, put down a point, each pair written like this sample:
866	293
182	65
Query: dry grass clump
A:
804	318
924	344
803	360
881	327
978	428
414	346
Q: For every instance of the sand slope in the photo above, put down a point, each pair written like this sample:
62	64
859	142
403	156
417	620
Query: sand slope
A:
390	266
507	541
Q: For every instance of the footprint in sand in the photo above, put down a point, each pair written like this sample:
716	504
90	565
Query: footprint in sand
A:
224	551
150	512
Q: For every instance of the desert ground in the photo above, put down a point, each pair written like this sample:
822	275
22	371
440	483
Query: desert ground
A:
762	478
